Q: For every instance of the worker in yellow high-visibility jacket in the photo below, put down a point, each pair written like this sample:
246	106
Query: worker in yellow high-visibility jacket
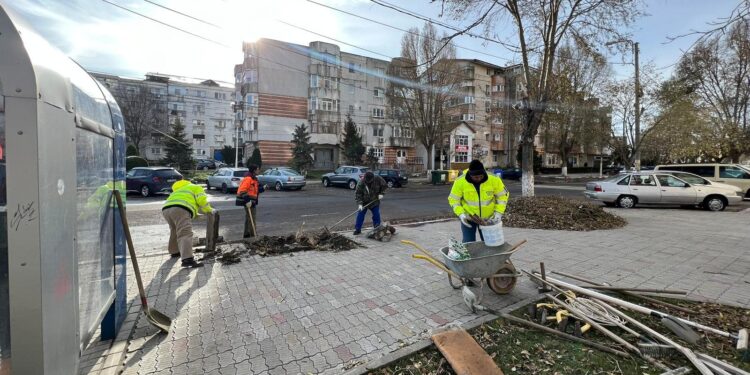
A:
480	194
186	201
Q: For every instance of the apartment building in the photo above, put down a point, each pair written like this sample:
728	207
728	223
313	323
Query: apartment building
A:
204	107
282	85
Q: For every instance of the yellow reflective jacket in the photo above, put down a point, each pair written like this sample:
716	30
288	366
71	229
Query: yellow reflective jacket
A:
192	197
493	197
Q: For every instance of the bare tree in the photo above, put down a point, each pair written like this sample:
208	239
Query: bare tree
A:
718	71
421	82
739	15
575	118
541	26
142	112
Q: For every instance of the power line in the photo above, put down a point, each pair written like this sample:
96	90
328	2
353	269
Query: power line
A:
185	15
459	30
405	30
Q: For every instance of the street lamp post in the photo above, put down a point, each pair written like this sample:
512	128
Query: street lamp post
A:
239	109
638	94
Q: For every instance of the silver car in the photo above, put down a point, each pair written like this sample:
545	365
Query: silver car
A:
663	187
346	176
226	179
282	178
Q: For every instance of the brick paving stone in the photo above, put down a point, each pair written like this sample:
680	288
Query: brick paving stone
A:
258	315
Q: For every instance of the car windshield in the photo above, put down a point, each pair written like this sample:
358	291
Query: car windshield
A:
240	173
166	172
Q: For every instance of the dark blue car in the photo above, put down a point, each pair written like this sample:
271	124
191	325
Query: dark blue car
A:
151	180
512	173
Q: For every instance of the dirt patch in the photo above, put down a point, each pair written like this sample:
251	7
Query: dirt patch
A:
550	212
323	240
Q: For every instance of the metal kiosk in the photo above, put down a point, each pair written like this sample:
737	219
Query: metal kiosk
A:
62	250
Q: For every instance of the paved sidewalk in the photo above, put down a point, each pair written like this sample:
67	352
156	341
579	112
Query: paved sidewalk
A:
319	312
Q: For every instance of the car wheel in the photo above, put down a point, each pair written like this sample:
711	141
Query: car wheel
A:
715	203
626	201
390	184
352	184
326	182
277	186
145	191
224	189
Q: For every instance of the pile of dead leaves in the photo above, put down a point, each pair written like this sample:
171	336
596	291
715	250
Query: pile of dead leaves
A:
322	240
550	212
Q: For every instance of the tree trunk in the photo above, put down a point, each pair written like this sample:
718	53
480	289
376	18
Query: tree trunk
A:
527	167
431	157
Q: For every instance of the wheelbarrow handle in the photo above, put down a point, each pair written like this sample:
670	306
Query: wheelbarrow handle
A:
515	247
420	248
437	264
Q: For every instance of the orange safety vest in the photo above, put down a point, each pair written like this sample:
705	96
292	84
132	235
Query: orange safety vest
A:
249	186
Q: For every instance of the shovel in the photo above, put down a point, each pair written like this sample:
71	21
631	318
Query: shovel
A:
350	215
154	317
249	214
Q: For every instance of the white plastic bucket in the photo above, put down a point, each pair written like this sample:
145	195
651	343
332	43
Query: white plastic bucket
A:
493	234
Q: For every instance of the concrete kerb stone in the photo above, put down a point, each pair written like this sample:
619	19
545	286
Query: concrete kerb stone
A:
420	345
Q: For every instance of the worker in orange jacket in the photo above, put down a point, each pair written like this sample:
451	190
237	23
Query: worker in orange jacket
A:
248	193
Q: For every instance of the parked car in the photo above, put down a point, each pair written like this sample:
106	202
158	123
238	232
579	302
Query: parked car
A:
207	164
282	178
151	180
393	177
226	179
346	176
663	187
512	173
730	174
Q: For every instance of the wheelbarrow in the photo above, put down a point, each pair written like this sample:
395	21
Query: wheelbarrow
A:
487	264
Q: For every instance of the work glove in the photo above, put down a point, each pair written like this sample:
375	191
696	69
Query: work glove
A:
213	211
497	217
360	208
380	197
464	220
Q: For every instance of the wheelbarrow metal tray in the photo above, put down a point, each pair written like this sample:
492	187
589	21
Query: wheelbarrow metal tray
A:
484	261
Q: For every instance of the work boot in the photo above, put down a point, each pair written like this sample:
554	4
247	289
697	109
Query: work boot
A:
191	263
357	232
176	255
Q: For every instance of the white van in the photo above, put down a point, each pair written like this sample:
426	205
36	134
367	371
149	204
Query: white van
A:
730	174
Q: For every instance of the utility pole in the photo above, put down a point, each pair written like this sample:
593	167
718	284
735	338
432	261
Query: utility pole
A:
638	94
239	109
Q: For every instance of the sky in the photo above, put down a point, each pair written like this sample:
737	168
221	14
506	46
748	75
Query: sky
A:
103	37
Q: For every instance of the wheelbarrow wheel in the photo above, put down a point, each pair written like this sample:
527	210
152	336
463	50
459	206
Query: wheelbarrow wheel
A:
503	284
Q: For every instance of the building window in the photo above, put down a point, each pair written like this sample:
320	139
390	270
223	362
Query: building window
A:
396	131
378	151
377	131
487	106
467	117
379	93
314	80
252	124
351	67
251	100
156	150
497	136
200	152
462	140
327	105
468	100
199	123
498	88
401	153
250	76
199	109
351	109
200	93
313	103
461	157
380	74
378	113
330	83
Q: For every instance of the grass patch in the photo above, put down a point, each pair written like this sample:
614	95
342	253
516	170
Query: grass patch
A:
315	175
520	350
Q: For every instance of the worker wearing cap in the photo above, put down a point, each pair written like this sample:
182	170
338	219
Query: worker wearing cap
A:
368	194
479	194
186	201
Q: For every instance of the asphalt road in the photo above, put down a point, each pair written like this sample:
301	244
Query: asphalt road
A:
316	206
284	212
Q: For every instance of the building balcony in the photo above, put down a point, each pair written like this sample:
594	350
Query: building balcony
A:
324	128
402	142
497	146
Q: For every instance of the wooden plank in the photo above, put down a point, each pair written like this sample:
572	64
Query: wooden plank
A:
212	231
464	354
